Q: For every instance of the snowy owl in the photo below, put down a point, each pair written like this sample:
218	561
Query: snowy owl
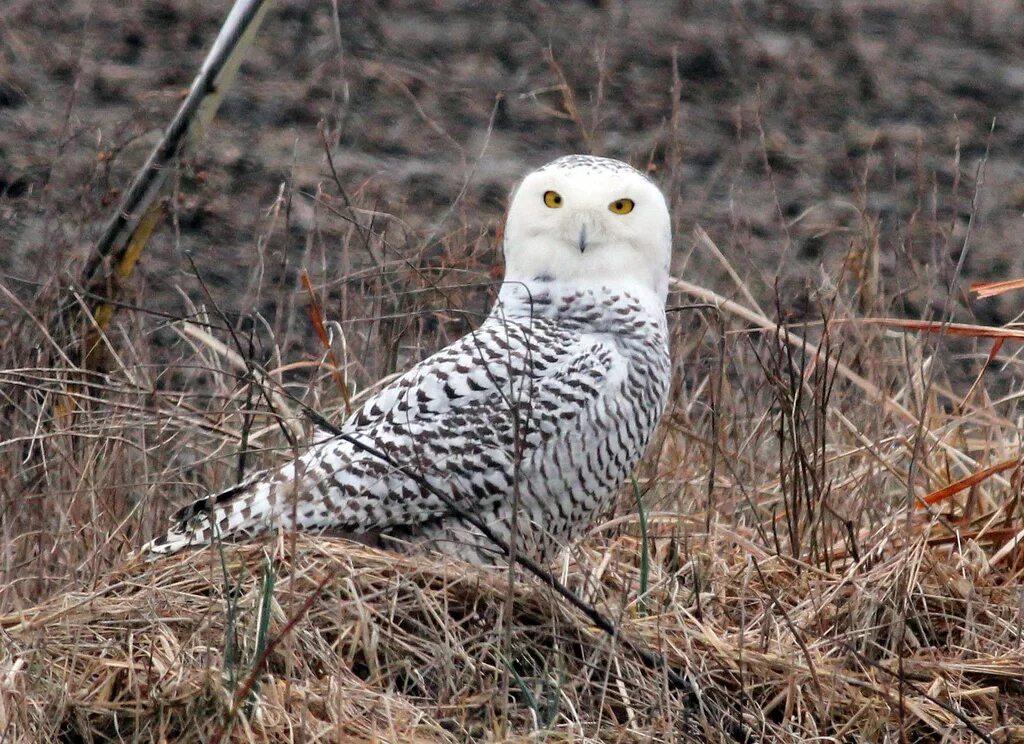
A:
530	423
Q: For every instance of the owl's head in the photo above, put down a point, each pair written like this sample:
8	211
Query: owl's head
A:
591	221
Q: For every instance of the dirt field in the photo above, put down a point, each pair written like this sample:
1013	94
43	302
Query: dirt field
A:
845	159
789	131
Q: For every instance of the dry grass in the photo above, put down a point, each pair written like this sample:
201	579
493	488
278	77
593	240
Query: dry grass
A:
785	569
397	648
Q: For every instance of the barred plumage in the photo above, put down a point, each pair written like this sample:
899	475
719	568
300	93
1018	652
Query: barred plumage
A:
541	413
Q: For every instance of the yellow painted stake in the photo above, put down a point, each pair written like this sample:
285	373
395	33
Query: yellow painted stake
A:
129	258
128	230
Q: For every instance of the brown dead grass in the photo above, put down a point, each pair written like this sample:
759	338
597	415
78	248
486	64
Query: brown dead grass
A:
800	590
395	648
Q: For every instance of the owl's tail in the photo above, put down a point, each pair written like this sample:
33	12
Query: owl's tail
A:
263	502
238	509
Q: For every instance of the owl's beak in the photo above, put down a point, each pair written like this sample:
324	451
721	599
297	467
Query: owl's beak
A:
584	229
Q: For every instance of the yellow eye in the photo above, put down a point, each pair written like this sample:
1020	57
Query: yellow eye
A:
622	206
553	199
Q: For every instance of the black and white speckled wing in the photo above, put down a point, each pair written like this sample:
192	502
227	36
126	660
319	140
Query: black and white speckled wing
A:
471	419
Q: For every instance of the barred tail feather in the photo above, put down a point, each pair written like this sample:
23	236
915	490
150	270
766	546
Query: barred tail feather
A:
254	506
